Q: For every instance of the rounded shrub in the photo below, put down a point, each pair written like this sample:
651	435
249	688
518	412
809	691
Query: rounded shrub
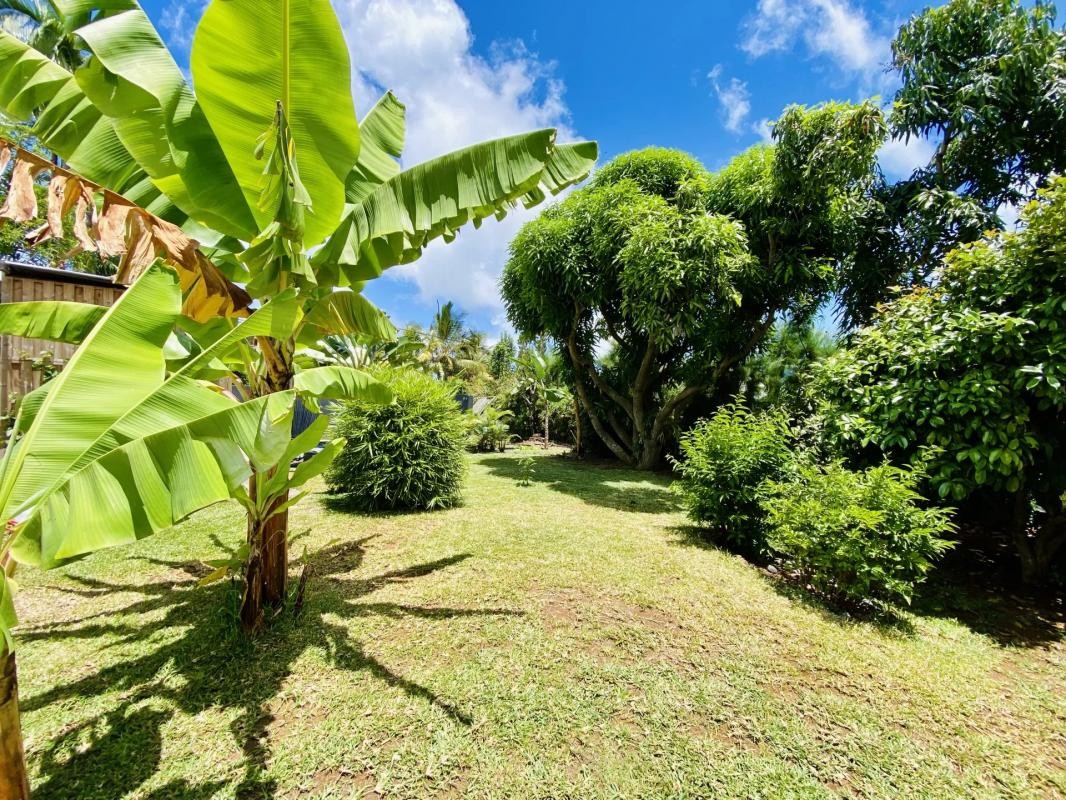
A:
407	455
855	536
723	462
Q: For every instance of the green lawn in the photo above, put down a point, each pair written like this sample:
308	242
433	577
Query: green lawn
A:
567	639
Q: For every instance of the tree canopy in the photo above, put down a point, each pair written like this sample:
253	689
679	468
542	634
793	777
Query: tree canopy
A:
685	272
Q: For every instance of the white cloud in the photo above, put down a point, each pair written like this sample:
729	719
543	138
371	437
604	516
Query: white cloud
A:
422	50
829	28
1010	214
764	127
179	19
899	157
734	98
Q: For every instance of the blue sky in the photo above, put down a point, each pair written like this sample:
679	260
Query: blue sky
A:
703	76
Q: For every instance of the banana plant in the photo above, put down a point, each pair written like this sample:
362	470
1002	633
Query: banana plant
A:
268	151
94	462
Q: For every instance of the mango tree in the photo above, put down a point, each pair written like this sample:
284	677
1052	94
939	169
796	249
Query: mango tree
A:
684	272
268	152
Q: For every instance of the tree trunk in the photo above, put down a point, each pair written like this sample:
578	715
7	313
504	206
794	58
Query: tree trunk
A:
1036	548
650	455
577	428
14	781
267	570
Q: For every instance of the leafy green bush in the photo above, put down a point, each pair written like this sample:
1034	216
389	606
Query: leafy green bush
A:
974	367
855	536
723	461
488	431
404	456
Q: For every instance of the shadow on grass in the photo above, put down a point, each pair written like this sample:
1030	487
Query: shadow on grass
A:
592	483
980	592
206	664
975	596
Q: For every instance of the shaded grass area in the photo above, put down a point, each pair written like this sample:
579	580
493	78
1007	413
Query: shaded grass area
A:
557	640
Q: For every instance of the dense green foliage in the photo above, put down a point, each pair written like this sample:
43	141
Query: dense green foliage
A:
407	455
685	272
778	375
489	431
855	536
988	79
984	81
724	461
974	368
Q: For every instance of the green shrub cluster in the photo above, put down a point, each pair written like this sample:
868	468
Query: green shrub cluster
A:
489	431
852	536
855	536
724	461
407	455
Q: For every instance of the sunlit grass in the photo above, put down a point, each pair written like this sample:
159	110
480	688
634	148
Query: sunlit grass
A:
566	639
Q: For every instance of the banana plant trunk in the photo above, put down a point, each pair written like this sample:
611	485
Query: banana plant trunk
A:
14	779
267	570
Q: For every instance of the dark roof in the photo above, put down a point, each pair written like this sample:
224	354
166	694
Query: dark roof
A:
21	270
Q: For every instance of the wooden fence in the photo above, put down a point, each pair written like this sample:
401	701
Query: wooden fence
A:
23	282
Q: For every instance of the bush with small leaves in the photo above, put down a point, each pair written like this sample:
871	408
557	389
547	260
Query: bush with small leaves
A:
855	536
407	455
723	461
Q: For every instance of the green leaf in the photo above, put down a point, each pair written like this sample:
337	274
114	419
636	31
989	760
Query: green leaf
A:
86	399
134	80
347	313
400	217
54	320
249	55
70	125
316	464
8	617
153	482
381	135
342	383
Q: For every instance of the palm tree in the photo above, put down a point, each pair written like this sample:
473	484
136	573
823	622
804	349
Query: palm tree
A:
449	348
45	28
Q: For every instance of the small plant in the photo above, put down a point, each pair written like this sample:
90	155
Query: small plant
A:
488	431
723	461
404	456
855	536
526	471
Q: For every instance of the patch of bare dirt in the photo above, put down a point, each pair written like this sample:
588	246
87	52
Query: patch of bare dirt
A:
339	782
610	628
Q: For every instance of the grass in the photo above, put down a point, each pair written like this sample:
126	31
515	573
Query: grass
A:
566	639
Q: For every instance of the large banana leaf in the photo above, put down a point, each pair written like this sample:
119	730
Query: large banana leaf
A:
346	313
87	397
53	320
396	220
381	135
341	383
150	483
134	80
162	446
70	125
250	55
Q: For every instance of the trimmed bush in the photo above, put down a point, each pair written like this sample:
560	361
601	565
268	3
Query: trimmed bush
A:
407	455
723	461
855	536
